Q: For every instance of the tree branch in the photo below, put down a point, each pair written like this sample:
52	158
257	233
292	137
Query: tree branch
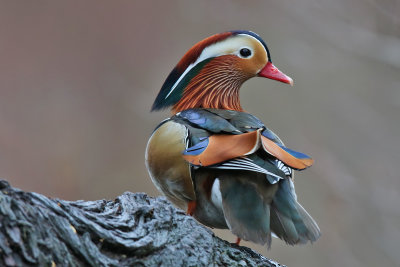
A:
132	230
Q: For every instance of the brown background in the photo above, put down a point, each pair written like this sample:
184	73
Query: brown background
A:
77	79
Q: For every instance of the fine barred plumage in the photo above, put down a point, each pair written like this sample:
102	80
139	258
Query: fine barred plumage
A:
217	162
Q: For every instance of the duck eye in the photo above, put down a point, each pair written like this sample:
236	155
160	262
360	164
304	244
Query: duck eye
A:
245	52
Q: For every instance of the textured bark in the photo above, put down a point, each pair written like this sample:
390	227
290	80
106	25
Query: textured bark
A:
132	230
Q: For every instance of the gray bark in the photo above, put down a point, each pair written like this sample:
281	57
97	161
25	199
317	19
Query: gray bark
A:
132	230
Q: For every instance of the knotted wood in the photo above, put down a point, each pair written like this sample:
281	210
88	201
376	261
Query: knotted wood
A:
132	230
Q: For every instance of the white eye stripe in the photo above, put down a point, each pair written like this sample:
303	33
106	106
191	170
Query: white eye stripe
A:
256	40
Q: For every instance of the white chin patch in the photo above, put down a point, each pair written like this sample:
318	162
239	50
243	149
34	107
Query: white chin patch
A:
216	197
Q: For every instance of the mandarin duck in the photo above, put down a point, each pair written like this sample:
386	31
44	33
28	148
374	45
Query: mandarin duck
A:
217	162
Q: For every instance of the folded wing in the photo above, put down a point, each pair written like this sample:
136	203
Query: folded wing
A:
219	148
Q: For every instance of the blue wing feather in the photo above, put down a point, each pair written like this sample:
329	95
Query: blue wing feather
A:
208	121
296	154
198	148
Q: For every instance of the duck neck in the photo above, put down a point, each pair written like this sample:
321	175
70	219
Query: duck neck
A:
216	86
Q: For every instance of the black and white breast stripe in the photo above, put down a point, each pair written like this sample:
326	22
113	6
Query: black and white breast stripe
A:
247	165
283	167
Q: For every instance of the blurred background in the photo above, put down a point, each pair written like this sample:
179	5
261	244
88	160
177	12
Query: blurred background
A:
78	78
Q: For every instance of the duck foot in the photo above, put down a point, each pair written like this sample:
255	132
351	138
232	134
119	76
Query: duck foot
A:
191	206
238	241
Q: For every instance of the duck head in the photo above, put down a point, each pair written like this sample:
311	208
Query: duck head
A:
211	73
